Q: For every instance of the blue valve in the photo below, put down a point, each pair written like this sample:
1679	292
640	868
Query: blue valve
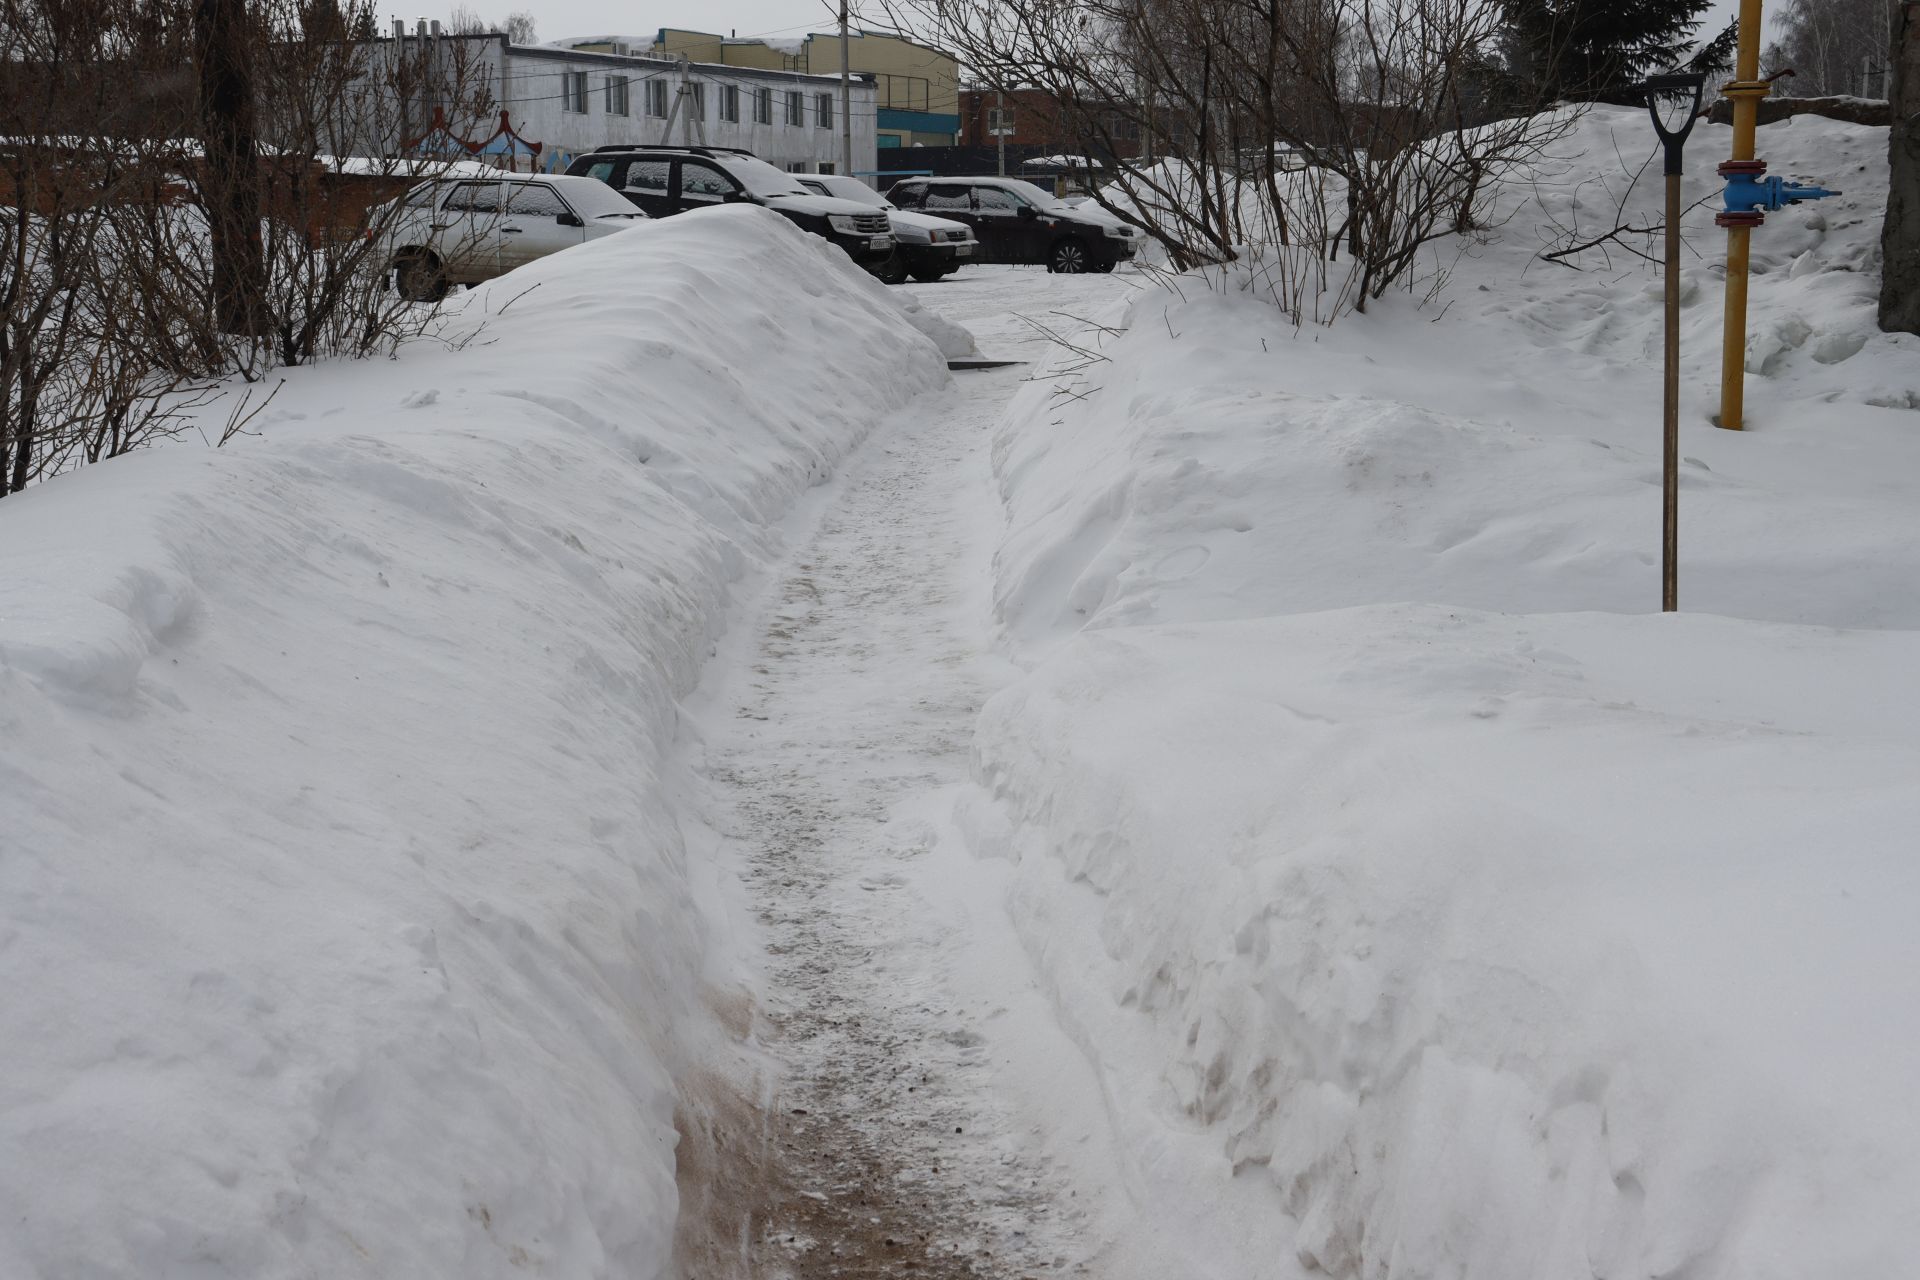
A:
1750	196
1746	193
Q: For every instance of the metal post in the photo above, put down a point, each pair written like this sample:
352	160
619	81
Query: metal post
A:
1000	129
846	98
1746	90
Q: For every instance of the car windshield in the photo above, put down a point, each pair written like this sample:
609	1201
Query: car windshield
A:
852	189
591	199
1028	192
762	178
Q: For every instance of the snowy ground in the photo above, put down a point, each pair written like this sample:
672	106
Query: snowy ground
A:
678	772
1492	934
345	919
914	1067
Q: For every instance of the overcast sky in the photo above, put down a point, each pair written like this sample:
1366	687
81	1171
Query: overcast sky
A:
558	18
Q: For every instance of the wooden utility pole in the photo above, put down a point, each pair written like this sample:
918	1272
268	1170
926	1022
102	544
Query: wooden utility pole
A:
1900	234
846	98
230	171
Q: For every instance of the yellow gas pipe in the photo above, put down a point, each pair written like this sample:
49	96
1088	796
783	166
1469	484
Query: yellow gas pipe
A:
1746	89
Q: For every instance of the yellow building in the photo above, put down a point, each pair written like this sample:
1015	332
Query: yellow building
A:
917	87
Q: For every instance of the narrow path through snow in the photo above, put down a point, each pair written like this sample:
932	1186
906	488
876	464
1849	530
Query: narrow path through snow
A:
830	746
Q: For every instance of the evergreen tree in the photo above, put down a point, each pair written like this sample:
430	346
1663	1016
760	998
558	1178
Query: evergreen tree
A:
1596	49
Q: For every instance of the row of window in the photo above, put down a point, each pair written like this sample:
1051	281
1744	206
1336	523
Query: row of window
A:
694	100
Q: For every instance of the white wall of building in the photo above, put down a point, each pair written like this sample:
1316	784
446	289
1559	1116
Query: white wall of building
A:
530	85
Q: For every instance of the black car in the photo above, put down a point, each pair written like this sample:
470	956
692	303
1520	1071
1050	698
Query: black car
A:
1016	221
665	180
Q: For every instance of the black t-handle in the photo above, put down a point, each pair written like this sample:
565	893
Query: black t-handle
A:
1691	84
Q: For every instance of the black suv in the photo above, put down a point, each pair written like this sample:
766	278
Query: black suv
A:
1018	222
665	180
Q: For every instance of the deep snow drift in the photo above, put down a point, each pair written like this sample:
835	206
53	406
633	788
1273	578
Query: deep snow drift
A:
1491	935
346	927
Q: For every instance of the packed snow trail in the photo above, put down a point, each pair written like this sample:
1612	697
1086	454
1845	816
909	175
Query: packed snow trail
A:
829	749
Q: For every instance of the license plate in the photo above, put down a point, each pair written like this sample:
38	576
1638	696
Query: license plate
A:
882	242
963	251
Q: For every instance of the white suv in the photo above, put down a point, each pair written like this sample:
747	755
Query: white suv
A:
924	247
466	230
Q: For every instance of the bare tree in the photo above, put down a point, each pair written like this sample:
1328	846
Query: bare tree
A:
1836	48
1900	235
518	26
117	314
223	53
1329	141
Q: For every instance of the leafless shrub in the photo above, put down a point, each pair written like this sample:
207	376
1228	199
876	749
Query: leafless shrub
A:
117	317
1332	140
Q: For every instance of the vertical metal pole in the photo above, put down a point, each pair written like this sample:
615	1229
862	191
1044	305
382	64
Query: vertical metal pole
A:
846	98
1746	92
1670	519
1000	129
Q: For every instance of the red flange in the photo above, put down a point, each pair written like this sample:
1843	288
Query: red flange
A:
1728	168
1733	219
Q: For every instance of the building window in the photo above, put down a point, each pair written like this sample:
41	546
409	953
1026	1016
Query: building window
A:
573	92
697	103
657	97
763	106
617	95
824	104
796	108
825	166
730	103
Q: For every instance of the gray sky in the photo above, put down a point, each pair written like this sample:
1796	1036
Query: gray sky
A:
557	18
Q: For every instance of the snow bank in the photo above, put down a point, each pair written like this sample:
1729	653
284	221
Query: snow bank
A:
1519	932
347	926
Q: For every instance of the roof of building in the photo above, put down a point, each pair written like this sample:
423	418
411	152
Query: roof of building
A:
654	63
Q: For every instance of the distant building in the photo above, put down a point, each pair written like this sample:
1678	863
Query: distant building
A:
1035	120
916	87
571	100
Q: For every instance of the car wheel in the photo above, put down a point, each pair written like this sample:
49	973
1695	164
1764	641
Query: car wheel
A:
927	275
1069	258
893	270
419	277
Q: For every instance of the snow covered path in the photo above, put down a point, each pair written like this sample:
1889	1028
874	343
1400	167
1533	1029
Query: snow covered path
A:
836	729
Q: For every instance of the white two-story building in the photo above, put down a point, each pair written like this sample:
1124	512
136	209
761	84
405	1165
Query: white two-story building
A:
570	101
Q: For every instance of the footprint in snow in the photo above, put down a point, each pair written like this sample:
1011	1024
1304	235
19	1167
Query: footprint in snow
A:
421	399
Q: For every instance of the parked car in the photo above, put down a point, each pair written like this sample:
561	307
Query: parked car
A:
665	180
1016	221
464	231
924	247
